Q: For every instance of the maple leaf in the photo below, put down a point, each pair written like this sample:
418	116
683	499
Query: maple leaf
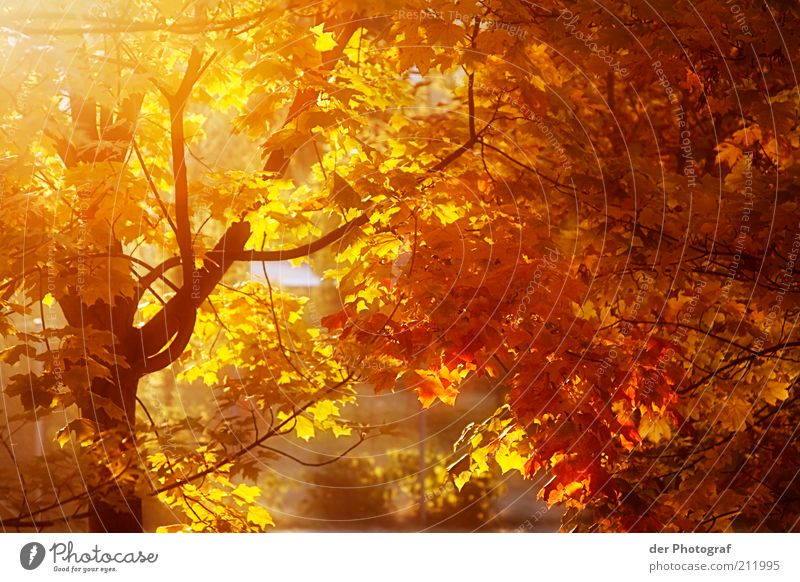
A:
304	428
429	387
245	494
323	41
728	153
654	428
509	459
259	516
85	432
775	392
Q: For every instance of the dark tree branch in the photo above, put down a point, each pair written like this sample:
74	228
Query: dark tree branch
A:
117	26
738	361
38	524
177	104
338	457
298	252
153	188
176	347
556	183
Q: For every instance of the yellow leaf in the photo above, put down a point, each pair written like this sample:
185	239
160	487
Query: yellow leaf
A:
370	294
217	495
478	460
508	459
324	40
62	437
48	300
259	516
447	213
728	153
386	245
304	428
355	45
339	430
157	460
178	527
85	432
324	410
383	217
654	428
352	254
245	493
192	373
461	479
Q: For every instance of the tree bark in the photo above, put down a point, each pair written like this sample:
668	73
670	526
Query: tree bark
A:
117	508
110	402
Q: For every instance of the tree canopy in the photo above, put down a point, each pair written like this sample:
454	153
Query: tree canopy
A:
586	206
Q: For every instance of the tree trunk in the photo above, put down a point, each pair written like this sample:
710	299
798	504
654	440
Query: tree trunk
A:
117	508
110	402
114	505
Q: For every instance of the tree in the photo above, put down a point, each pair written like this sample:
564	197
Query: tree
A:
605	230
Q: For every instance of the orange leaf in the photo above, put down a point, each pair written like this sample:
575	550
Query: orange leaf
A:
429	387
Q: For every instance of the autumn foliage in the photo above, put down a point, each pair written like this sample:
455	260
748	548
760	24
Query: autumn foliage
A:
587	207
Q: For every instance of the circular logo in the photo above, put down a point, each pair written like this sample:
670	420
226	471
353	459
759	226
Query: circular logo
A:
31	555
